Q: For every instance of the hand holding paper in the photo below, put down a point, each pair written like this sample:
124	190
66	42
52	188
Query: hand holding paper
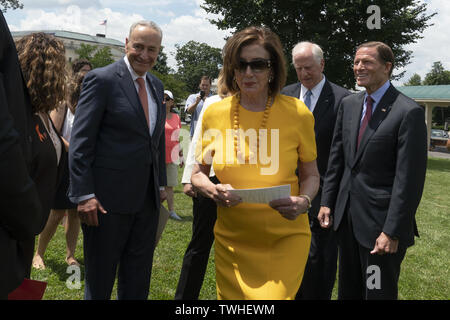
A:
263	195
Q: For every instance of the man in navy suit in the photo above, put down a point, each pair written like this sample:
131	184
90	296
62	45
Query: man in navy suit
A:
322	97
117	167
20	207
375	178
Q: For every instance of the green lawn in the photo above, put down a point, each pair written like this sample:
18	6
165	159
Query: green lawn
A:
425	273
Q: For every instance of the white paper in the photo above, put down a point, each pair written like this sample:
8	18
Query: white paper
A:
263	195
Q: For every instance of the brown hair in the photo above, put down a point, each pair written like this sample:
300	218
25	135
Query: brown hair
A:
385	53
264	37
42	58
74	89
222	89
80	63
207	78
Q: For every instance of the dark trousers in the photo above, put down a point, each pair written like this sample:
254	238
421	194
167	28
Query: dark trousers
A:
124	242
320	271
196	256
364	276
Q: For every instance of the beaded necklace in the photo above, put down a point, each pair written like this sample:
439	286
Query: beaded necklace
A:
236	130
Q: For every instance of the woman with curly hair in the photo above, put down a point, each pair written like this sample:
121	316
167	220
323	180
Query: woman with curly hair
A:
62	118
42	58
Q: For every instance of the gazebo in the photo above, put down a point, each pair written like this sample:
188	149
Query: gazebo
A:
429	97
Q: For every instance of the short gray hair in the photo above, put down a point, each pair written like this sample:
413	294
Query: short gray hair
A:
316	50
146	23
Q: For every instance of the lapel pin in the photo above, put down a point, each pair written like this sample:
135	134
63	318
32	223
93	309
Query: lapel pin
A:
384	110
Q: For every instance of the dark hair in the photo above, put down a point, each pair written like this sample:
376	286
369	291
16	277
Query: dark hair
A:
207	78
80	63
43	62
264	37
385	53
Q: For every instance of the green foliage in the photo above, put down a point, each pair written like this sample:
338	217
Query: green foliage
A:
415	80
102	57
337	26
195	60
437	76
99	57
161	63
172	83
10	4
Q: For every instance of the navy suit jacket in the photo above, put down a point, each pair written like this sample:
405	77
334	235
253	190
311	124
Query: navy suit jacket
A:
324	113
380	183
111	151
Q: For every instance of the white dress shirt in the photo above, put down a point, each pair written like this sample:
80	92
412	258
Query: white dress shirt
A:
190	159
315	93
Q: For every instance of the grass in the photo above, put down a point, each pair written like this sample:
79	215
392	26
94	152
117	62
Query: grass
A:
425	273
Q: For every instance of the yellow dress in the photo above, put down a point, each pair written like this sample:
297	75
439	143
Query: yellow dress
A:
258	253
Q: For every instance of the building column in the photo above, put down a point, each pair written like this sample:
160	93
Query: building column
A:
428	121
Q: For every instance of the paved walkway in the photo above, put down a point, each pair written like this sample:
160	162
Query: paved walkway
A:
438	152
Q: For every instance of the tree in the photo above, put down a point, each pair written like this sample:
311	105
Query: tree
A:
337	26
13	4
437	75
415	80
172	83
99	57
102	57
161	63
196	59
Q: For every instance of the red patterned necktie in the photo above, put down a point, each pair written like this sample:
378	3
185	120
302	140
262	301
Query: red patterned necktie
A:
366	119
143	97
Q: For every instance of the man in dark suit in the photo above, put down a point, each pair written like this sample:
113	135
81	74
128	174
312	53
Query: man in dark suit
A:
20	207
375	178
322	97
117	167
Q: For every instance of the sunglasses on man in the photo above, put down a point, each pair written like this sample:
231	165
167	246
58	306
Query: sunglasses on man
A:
258	65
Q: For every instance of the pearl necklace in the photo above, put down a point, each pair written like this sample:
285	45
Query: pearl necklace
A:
236	131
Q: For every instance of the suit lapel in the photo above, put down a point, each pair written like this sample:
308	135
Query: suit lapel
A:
127	84
355	120
158	101
297	90
323	103
382	110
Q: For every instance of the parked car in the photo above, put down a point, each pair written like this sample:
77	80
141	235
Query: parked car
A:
438	138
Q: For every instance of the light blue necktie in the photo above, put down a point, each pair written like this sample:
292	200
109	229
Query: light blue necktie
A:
308	99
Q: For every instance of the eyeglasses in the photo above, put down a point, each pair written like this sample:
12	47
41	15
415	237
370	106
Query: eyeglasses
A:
167	99
259	65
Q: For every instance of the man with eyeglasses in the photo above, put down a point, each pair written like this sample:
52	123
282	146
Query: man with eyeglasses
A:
322	97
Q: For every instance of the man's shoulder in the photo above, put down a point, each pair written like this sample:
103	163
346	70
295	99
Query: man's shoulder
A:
338	90
290	89
404	101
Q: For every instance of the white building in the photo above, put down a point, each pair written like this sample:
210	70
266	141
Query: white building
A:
73	40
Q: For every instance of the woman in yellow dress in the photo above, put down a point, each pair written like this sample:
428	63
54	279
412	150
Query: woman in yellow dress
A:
254	139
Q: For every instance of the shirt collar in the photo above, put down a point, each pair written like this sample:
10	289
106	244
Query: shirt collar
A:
134	75
377	95
316	90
